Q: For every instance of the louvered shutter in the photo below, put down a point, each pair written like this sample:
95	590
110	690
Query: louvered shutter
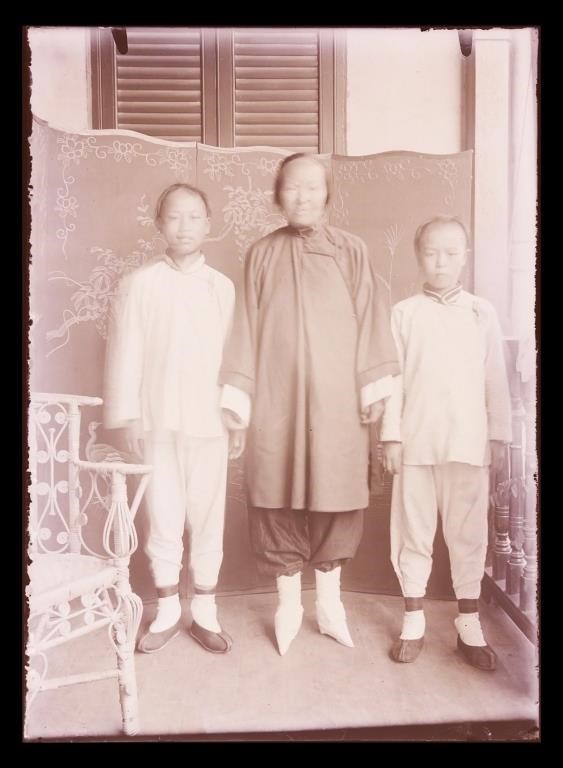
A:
276	88
159	83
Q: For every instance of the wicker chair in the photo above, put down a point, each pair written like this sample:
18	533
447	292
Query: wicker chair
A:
81	536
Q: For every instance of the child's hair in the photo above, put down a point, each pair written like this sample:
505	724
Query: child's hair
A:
421	231
298	156
187	188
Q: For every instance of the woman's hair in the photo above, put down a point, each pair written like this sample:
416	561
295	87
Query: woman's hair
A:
421	231
187	188
298	156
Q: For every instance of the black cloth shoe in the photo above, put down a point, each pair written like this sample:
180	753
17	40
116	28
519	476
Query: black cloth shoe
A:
407	650
215	642
480	656
154	641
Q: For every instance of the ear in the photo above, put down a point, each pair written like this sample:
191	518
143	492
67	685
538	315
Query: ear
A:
208	226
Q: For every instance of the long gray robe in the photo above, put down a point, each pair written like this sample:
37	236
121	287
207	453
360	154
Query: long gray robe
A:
311	329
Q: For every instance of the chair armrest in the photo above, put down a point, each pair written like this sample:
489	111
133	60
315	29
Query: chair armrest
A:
119	536
111	466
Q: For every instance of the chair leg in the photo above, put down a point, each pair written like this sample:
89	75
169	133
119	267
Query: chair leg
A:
125	633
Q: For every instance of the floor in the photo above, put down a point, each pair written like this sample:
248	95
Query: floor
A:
317	685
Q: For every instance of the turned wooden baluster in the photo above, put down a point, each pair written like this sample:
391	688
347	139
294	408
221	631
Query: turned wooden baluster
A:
501	546
516	562
528	584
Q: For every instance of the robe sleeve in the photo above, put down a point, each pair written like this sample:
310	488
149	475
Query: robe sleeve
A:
237	400
377	355
124	358
376	390
239	359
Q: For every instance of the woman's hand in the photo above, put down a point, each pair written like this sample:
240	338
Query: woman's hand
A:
237	443
372	413
392	457
232	420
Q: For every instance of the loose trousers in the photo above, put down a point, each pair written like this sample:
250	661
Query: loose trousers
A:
459	492
186	490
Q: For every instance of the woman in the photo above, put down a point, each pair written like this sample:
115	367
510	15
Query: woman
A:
309	361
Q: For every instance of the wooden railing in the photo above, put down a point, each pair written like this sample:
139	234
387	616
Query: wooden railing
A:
511	573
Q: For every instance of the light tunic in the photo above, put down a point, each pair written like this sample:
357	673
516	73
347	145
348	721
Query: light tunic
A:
453	395
165	347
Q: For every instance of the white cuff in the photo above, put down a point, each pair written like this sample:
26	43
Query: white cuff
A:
376	390
237	400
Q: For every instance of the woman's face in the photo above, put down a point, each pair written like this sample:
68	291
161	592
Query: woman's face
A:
303	192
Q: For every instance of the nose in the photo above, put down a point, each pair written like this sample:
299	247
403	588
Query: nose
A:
441	259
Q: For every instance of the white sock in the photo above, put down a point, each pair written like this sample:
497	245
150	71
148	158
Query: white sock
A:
414	625
204	612
167	614
469	629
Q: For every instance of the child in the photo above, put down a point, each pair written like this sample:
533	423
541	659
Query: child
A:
312	356
448	418
164	352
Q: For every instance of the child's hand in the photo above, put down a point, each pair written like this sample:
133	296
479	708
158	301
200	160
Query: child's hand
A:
237	443
392	457
498	456
372	413
133	436
232	420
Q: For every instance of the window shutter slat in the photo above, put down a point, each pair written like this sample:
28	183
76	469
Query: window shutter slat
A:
269	37
280	95
146	96
177	118
282	119
157	84
148	72
295	143
276	88
278	60
187	108
161	58
282	73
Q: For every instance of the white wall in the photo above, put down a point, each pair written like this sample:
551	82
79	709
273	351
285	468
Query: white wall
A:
404	91
60	76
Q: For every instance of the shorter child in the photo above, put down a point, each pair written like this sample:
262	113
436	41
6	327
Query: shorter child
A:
164	352
447	420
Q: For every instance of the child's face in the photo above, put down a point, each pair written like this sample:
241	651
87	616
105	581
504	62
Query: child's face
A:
184	222
303	192
442	255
